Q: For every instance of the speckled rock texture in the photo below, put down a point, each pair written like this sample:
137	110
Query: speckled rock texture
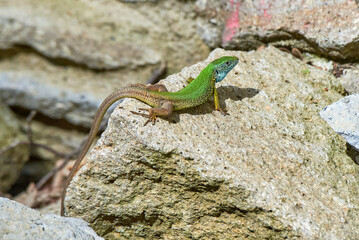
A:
328	28
13	154
343	117
20	222
347	73
61	58
271	169
350	79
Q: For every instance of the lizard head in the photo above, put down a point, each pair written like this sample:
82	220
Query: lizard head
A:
222	66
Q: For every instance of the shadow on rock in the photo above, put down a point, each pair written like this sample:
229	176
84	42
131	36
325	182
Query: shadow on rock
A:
353	153
224	92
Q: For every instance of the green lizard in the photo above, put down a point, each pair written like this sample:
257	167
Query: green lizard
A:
163	103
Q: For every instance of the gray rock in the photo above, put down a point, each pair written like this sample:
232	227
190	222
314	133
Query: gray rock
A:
13	153
343	117
46	35
77	109
271	169
20	222
326	28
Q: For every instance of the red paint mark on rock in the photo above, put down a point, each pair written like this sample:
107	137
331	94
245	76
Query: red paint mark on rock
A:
266	14
232	23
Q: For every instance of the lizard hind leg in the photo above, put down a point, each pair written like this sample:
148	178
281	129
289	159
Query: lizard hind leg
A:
150	115
165	110
157	87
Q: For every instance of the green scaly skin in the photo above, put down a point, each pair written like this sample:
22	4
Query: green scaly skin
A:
163	103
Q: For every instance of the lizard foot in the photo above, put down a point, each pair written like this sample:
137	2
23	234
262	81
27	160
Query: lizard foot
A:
151	116
223	111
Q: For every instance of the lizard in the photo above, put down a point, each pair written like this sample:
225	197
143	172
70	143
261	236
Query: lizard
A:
163	103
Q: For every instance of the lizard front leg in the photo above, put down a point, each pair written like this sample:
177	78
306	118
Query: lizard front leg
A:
216	102
165	110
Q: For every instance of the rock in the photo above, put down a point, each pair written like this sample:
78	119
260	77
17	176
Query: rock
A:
343	117
350	79
21	222
320	62
13	153
348	73
322	28
62	140
58	104
271	169
63	59
68	31
68	94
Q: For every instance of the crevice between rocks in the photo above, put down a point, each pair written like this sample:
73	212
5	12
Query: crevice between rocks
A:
339	55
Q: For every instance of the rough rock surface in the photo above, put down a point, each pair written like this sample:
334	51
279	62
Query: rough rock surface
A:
348	73
41	27
12	154
327	28
272	169
61	140
62	58
350	79
20	222
47	99
343	117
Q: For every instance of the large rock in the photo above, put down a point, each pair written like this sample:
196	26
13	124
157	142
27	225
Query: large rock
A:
57	103
20	222
272	169
325	27
75	31
13	152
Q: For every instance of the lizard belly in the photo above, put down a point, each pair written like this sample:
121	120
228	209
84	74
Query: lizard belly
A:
189	101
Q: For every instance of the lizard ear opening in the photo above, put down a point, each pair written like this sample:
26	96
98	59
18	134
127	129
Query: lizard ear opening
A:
217	76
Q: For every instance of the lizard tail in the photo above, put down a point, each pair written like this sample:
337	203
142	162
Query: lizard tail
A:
115	96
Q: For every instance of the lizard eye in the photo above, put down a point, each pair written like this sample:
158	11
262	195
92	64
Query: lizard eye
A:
217	72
